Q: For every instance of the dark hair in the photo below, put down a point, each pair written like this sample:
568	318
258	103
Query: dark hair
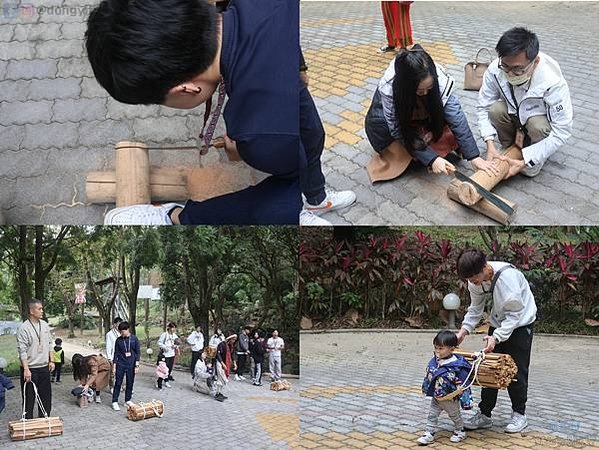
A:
140	49
117	320
411	67
58	341
471	262
33	302
517	40
124	325
79	363
445	338
171	325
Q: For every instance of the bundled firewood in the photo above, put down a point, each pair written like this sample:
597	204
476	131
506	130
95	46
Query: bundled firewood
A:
141	411
20	430
496	371
280	385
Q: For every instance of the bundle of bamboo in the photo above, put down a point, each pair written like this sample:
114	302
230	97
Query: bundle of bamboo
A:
141	411
280	385
496	371
20	430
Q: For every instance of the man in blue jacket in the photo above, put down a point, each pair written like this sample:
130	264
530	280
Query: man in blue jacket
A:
178	53
126	362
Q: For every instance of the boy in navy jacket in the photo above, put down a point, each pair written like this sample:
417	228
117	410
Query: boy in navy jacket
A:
126	362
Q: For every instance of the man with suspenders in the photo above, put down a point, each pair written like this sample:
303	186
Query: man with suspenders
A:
511	328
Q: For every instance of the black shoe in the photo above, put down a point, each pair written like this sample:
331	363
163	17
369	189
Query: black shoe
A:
219	398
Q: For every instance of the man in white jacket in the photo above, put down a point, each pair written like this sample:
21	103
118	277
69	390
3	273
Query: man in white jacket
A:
111	337
524	100
511	328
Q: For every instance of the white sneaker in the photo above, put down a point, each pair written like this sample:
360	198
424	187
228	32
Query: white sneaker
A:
517	424
129	404
479	420
242	377
458	436
115	406
334	200
426	438
237	378
98	399
309	219
167	384
141	215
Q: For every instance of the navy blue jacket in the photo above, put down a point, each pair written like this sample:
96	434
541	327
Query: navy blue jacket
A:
123	345
259	63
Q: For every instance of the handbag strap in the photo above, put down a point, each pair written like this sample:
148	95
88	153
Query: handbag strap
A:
476	61
496	276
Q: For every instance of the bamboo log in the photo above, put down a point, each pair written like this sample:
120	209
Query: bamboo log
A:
496	371
467	192
132	174
35	428
141	411
483	206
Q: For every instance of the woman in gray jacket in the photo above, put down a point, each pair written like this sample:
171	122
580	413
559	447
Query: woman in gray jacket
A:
415	115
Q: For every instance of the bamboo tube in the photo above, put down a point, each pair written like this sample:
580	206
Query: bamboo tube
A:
132	174
483	206
468	194
146	410
35	428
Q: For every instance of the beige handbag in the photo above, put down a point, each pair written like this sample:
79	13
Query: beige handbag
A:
475	70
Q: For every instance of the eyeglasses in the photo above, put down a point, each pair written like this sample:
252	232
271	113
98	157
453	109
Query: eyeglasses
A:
516	70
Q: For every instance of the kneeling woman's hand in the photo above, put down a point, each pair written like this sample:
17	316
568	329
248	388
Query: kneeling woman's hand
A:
490	167
441	165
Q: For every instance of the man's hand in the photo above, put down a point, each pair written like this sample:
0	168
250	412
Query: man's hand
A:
51	366
231	149
491	342
461	335
114	368
490	167
136	370
27	374
516	165
441	165
492	152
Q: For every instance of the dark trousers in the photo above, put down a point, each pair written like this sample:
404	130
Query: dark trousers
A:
121	371
275	200
194	359
311	146
241	358
518	346
57	371
41	377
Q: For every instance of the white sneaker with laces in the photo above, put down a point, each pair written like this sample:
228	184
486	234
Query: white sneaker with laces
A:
426	438
98	399
141	215
309	219
129	404
458	436
167	384
115	406
334	200
479	420
517	424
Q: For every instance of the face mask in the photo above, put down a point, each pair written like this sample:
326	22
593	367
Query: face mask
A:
519	80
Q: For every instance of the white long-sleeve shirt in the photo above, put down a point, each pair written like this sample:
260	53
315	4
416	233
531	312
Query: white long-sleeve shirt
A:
166	342
546	94
111	338
275	345
196	340
513	303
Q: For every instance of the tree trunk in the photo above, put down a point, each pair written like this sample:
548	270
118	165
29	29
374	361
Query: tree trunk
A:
164	314
82	317
24	293
147	320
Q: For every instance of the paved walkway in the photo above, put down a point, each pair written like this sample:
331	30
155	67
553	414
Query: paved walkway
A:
252	417
57	124
340	42
362	390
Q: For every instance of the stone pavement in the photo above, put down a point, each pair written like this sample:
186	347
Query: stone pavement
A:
340	41
57	124
252	417
362	390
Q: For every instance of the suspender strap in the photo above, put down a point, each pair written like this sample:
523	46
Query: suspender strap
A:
497	274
